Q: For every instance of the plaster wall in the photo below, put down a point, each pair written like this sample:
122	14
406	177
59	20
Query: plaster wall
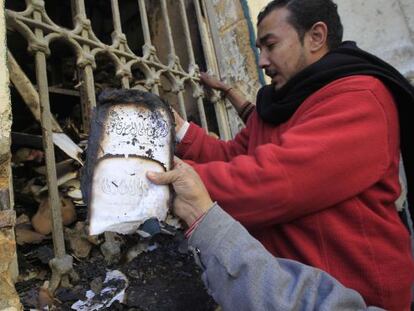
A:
382	27
407	7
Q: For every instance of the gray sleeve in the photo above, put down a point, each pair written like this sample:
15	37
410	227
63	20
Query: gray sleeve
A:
241	275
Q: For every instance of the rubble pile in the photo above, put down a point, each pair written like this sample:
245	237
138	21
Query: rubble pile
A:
152	273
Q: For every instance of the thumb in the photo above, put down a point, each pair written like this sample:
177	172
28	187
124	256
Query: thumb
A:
178	162
162	178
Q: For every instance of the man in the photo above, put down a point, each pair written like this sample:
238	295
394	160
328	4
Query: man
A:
238	272
314	175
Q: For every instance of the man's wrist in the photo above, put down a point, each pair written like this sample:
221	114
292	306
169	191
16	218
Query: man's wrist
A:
179	135
192	224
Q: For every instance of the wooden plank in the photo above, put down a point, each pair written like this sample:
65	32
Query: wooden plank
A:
26	90
31	97
59	90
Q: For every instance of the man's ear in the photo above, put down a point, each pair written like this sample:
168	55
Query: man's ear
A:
317	37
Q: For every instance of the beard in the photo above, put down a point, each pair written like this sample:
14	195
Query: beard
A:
301	64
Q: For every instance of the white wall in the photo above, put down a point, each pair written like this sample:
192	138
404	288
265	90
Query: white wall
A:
382	28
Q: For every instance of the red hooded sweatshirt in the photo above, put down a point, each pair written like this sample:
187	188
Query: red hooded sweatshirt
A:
321	187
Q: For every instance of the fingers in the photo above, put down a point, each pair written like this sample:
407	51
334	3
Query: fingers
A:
178	121
168	177
212	81
207	79
162	178
203	76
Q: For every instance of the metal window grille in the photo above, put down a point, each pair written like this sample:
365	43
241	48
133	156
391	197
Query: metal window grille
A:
165	77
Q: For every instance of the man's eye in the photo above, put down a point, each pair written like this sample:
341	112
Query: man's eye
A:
270	46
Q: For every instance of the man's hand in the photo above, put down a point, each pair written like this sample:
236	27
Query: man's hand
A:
213	82
236	98
192	199
178	120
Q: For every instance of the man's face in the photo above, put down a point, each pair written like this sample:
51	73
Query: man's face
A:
282	54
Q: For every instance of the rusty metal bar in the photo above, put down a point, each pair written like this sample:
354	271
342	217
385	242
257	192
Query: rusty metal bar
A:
212	68
170	40
173	59
58	241
86	81
119	38
97	45
181	104
79	7
204	35
193	68
149	52
116	17
187	35
125	82
54	200
202	113
144	22
87	94
155	89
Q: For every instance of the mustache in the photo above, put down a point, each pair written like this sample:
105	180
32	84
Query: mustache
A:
270	72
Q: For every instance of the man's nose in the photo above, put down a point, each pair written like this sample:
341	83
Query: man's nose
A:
263	60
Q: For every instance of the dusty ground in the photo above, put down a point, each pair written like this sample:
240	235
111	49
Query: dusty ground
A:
162	279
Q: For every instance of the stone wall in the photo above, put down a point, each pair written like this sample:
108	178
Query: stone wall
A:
9	299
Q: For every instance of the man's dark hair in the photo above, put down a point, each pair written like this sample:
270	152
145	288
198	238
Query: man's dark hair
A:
305	13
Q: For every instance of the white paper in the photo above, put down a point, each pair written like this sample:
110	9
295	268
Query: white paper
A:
123	198
111	294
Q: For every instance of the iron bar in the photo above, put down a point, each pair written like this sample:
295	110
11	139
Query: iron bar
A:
79	7
212	68
144	22
193	68
172	59
54	201
99	46
170	40
116	17
86	81
187	35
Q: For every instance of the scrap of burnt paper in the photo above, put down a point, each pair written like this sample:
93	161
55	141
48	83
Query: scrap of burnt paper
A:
132	132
